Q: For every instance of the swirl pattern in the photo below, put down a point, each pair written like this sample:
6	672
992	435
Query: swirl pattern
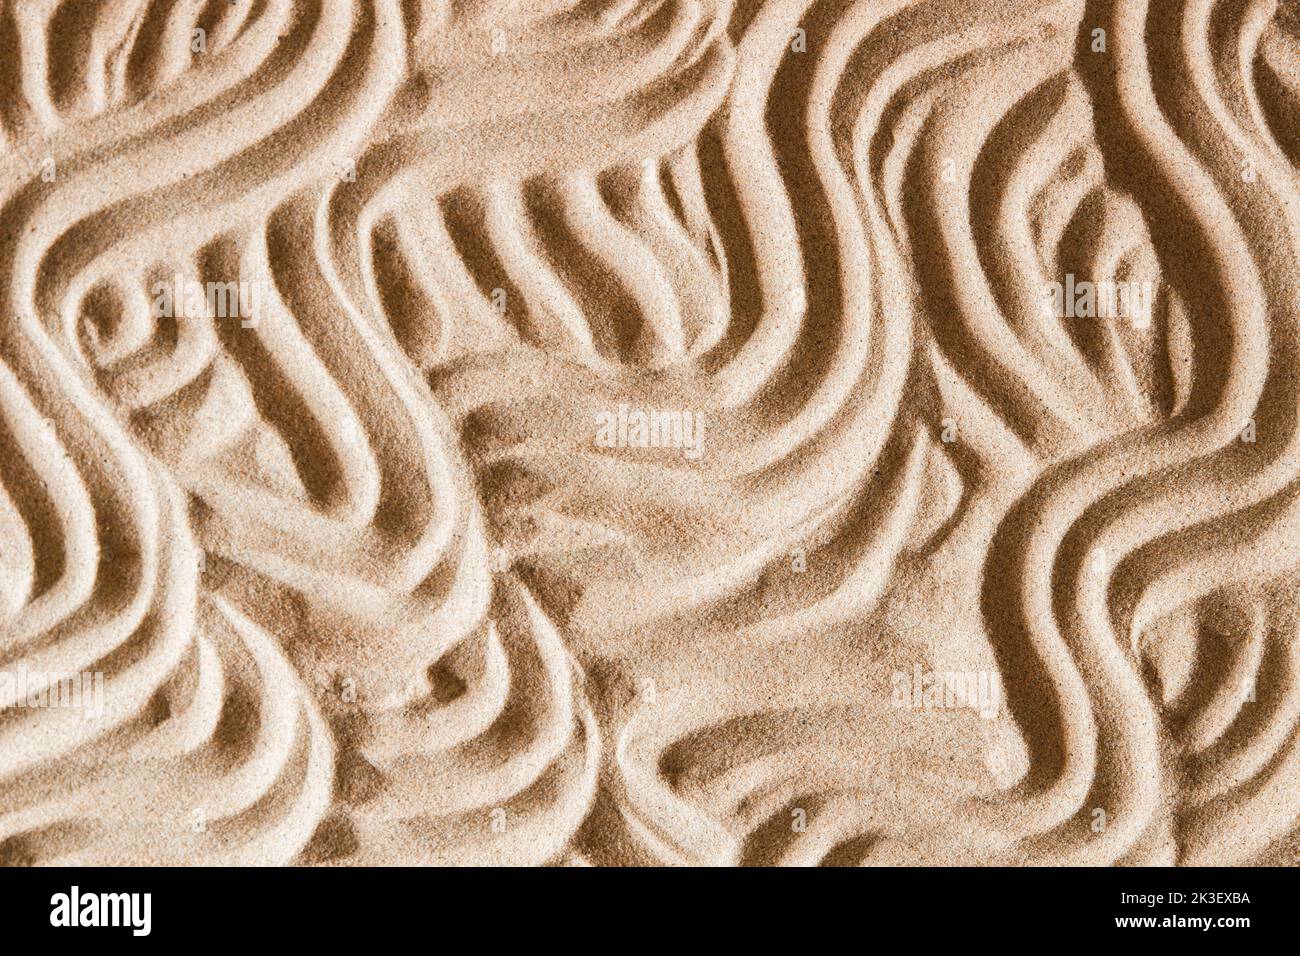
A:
625	432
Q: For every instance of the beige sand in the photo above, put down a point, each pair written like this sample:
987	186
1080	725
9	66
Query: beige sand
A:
649	431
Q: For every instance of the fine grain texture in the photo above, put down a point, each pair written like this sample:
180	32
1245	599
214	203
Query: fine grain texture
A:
635	432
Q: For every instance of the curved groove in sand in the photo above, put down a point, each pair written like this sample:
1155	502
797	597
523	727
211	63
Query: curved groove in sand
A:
364	585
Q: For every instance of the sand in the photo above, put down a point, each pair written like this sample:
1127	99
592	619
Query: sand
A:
636	432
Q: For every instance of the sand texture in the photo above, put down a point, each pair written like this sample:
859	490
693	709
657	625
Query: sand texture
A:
637	432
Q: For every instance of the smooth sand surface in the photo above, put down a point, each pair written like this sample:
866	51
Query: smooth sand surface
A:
649	432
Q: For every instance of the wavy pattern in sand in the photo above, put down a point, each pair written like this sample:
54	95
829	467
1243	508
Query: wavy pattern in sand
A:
364	574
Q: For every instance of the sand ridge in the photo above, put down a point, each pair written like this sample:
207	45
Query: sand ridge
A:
625	432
